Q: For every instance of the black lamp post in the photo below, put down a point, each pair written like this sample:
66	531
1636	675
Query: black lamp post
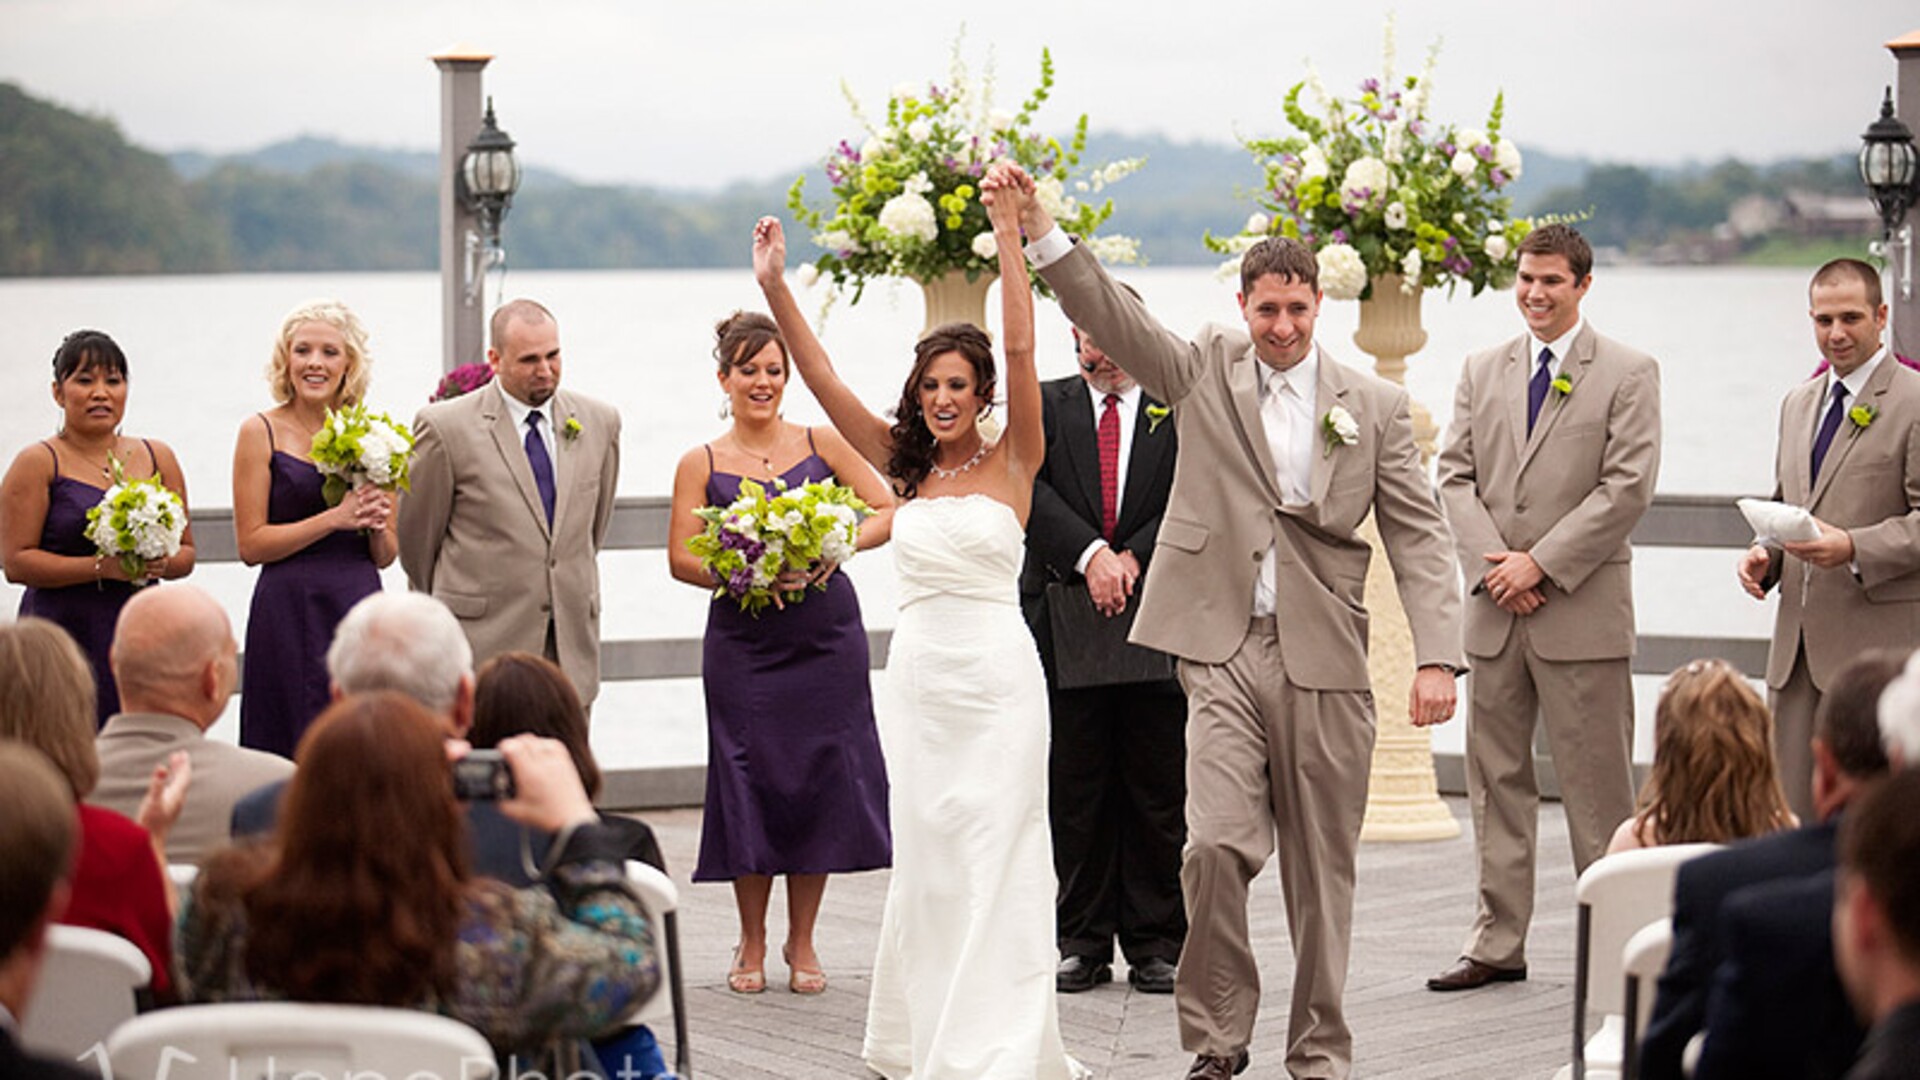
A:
1888	166
485	184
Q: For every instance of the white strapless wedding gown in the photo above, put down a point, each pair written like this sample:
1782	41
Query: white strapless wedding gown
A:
963	978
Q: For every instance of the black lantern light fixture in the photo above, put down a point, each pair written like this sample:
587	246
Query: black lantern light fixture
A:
1888	164
485	185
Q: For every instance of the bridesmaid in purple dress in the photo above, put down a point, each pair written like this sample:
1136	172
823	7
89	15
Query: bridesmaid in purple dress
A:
316	561
795	781
53	483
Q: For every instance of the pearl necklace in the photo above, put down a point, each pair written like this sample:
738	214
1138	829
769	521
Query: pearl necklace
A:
948	474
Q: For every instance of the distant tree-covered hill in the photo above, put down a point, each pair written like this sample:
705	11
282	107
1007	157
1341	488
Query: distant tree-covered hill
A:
77	198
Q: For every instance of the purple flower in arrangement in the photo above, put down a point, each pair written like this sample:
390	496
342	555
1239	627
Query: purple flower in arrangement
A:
849	151
464	379
834	175
740	582
936	92
1339	236
1389	115
1497	178
1446	147
1370	86
1450	243
1484	152
1458	264
1416	128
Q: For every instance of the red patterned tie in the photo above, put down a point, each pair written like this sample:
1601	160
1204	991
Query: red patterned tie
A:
1109	465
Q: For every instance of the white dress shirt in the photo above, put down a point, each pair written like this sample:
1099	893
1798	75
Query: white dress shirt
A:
1286	415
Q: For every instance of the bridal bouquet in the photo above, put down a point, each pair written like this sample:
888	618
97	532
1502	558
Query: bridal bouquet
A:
748	542
1377	188
906	200
355	447
136	522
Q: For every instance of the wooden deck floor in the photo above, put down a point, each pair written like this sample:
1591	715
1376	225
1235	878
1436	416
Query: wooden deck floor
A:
1413	906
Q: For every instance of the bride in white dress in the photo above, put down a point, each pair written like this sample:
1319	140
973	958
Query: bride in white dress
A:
963	984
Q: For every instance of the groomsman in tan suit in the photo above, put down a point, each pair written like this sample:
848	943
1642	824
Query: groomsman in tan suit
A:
1549	463
512	493
1256	585
1849	452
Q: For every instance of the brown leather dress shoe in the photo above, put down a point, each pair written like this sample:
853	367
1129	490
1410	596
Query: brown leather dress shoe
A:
1209	1067
1470	974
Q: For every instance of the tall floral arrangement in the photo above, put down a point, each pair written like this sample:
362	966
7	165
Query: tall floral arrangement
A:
1376	187
906	200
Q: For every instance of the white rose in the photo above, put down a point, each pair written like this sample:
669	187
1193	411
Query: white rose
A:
1369	175
984	246
1344	427
1313	164
1496	246
1411	265
920	130
917	184
873	148
1343	275
910	217
999	120
1464	163
1396	215
1507	156
1257	224
806	274
1468	138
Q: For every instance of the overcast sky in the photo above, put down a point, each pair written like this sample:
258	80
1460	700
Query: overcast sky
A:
696	93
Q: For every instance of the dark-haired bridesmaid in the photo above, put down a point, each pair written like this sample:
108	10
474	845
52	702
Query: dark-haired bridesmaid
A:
54	482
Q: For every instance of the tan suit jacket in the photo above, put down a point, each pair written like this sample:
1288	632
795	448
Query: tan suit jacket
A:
132	744
1870	486
473	533
1226	506
1569	495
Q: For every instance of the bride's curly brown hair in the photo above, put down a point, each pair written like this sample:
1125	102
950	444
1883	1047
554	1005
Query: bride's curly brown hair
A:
913	443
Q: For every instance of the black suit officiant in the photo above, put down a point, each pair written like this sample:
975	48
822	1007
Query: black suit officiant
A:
1117	771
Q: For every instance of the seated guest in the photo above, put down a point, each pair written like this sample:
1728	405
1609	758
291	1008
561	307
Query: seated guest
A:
366	896
407	642
37	838
1876	925
1713	778
1847	756
173	656
46	702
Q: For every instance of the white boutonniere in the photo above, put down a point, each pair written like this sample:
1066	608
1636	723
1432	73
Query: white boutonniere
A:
1155	414
571	429
1340	428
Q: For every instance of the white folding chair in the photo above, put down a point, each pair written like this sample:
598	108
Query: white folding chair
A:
86	989
661	901
218	1042
183	875
1644	958
1617	895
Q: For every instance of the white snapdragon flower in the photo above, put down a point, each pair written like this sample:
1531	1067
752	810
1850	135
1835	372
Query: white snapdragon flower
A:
1507	156
1394	145
910	217
1411	265
1396	215
1114	250
806	274
999	120
920	130
984	246
1053	198
1469	138
1496	246
1342	273
836	240
873	148
1114	172
1366	174
1313	163
1257	224
1464	163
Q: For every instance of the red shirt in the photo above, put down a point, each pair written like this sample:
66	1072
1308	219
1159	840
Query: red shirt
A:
117	887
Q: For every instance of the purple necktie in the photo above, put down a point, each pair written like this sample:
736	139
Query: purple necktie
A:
1828	426
541	463
1537	387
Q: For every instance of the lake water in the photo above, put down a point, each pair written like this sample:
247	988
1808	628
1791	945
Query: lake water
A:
1730	341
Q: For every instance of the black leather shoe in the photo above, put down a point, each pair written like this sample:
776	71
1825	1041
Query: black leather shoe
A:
1209	1067
1470	974
1078	973
1151	976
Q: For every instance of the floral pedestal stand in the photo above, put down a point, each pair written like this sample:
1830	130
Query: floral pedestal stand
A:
952	298
1403	802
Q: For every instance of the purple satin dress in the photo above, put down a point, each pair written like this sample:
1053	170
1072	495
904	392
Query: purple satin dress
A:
89	610
795	780
297	602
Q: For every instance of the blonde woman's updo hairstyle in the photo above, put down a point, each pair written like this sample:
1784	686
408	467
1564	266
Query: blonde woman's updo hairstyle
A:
353	384
741	335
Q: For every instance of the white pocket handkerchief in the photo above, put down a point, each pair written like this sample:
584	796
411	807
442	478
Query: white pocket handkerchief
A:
1778	521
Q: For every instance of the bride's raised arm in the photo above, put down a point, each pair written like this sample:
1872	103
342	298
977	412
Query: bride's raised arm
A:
868	433
1026	438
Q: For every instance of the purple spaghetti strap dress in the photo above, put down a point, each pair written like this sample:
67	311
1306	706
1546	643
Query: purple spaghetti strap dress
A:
795	780
297	602
89	610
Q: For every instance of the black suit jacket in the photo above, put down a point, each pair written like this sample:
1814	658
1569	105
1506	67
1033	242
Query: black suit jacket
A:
1702	884
16	1062
1066	497
1777	1007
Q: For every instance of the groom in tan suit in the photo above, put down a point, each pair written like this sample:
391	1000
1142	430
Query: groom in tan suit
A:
1549	463
1849	452
512	492
1256	584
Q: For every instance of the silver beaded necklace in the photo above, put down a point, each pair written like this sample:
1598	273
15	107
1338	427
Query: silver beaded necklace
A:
948	474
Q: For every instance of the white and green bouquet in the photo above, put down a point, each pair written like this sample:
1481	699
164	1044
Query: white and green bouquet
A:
355	447
906	198
136	522
1377	188
750	541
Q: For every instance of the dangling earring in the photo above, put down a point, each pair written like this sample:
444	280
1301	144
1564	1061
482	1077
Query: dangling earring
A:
726	406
